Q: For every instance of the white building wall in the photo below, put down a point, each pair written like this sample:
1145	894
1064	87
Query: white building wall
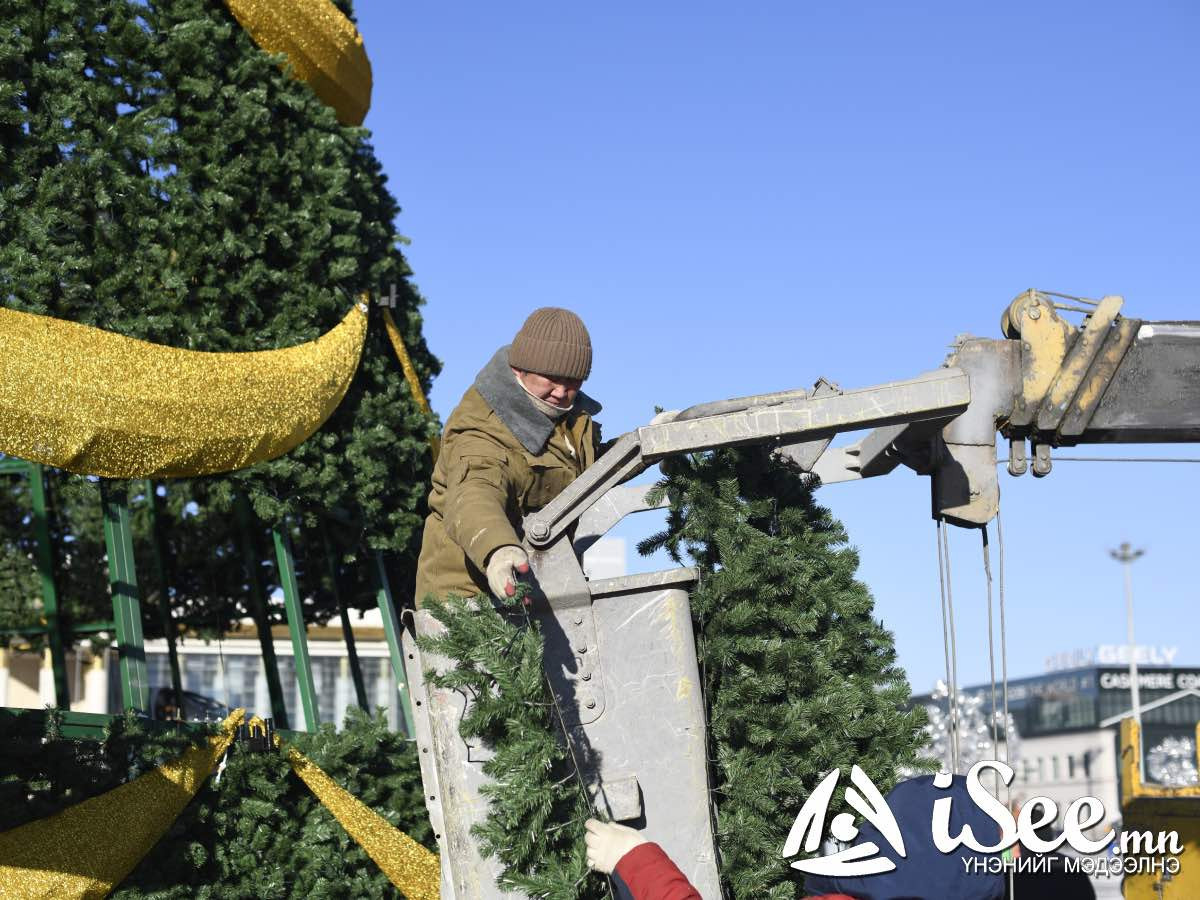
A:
1053	766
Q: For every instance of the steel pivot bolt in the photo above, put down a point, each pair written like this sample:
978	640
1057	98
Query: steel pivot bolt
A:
540	531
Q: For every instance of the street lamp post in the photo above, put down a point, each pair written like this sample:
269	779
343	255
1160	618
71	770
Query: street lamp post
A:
1125	555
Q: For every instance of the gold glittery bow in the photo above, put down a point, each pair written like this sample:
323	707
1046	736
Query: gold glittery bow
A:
99	403
86	850
322	46
77	853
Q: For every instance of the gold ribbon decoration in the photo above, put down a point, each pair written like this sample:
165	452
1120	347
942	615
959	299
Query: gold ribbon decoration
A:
98	403
412	868
322	46
410	375
87	850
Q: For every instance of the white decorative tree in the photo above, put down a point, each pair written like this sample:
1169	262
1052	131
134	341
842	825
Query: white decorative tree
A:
1172	762
974	727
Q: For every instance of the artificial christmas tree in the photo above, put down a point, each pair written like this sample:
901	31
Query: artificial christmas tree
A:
163	178
799	678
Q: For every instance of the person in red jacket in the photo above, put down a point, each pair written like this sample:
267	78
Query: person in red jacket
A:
640	869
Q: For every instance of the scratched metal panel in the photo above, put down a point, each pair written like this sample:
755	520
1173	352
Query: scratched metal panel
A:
453	797
1155	393
933	395
653	725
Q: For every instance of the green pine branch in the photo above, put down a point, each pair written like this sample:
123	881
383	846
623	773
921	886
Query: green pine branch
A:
537	801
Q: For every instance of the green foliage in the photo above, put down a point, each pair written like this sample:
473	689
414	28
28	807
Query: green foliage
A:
42	773
163	178
538	805
258	833
799	678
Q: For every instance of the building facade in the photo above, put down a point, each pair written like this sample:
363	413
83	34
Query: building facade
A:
229	673
1068	724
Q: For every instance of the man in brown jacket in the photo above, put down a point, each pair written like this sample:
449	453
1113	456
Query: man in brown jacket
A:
521	433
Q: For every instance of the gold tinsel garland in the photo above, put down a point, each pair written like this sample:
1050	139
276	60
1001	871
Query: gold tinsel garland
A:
322	46
410	375
87	850
99	403
412	868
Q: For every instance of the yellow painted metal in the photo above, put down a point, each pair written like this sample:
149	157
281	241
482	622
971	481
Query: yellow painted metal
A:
1099	375
1045	337
1075	365
1154	808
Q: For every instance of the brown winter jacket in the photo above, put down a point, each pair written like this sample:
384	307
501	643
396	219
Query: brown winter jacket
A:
501	459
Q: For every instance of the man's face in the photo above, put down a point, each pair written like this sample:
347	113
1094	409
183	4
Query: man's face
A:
558	391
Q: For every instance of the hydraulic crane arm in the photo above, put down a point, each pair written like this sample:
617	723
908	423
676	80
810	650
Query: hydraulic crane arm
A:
815	416
1111	380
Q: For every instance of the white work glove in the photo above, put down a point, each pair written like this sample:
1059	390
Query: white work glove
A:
607	842
504	565
667	415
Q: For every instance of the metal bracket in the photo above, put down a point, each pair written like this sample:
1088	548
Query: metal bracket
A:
1017	463
620	798
623	460
1092	387
1074	367
614	505
1041	460
806	453
572	655
422	729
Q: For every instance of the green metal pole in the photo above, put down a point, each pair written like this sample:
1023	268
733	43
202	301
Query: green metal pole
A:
127	609
45	564
295	617
252	556
360	687
158	543
391	628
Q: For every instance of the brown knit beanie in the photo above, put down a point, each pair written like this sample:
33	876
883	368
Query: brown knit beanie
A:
553	341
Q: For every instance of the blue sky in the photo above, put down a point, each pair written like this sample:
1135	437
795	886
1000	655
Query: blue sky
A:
742	200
